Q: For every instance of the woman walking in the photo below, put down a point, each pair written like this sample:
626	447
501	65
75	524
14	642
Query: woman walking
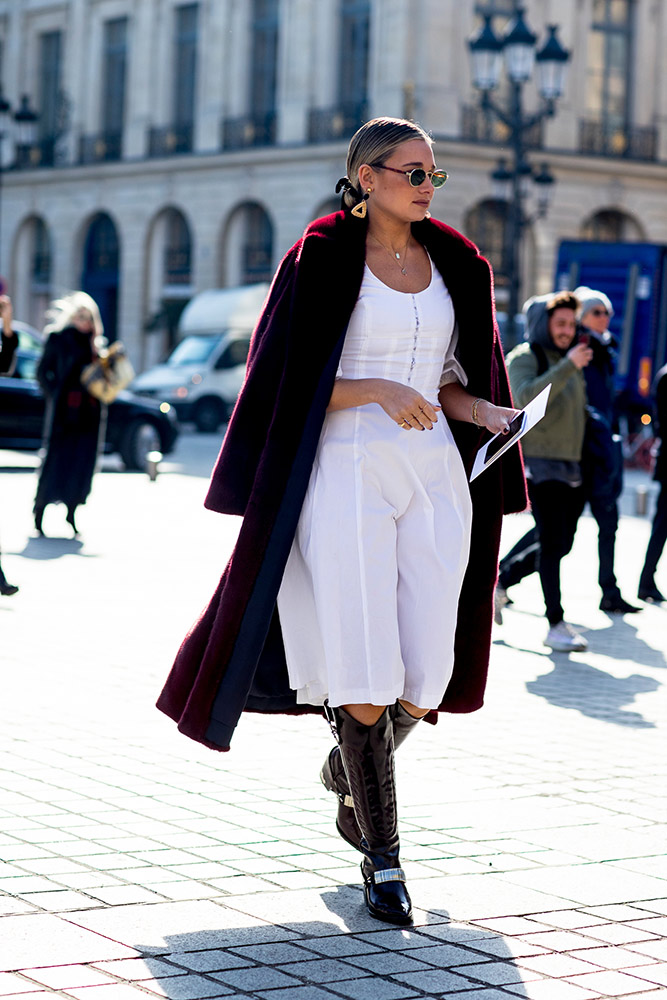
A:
362	580
72	420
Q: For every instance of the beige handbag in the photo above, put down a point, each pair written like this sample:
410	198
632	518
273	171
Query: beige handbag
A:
108	374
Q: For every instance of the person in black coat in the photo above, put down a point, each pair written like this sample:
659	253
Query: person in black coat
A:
648	590
602	461
72	420
8	344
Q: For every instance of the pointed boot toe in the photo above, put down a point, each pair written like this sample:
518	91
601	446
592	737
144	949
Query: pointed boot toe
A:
386	894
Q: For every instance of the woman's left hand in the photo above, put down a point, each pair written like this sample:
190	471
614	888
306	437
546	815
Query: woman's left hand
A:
496	419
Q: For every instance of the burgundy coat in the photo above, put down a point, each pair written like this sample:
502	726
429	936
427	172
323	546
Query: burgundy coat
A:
233	659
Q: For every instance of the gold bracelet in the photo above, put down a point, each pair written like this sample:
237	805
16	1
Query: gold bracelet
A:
475	421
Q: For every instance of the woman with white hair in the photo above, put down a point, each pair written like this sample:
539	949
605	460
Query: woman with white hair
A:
72	421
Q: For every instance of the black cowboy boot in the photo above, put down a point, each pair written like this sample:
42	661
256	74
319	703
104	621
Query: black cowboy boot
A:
334	780
368	756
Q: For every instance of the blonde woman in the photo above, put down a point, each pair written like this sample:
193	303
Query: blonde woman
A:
72	419
362	581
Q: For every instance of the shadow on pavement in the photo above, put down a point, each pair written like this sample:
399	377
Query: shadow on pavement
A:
52	547
434	958
593	692
620	641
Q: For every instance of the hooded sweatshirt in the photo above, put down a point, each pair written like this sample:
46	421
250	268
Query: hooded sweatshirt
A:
560	433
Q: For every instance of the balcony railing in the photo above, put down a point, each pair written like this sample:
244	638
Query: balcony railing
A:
478	125
634	142
39	154
340	122
249	130
101	148
170	140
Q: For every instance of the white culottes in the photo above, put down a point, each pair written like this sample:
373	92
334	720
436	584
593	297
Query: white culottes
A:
369	598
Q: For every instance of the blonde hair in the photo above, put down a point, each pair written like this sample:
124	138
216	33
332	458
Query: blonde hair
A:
374	143
60	312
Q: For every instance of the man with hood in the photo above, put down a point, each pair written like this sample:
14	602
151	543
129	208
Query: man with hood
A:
552	449
602	458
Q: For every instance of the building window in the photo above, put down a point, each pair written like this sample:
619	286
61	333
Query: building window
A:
257	247
609	64
40	270
612	226
114	60
50	95
263	64
178	251
355	23
185	65
486	225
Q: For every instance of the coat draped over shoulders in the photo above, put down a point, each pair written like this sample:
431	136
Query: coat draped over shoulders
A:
233	660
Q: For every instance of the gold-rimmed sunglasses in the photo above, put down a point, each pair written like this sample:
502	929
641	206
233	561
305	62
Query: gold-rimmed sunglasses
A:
418	175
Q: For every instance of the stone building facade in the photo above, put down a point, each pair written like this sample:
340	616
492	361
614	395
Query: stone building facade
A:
185	145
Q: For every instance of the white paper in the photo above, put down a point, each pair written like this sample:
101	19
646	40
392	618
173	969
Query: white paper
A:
530	415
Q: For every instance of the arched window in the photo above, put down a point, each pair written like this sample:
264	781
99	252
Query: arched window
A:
246	248
101	260
486	225
611	225
177	250
257	246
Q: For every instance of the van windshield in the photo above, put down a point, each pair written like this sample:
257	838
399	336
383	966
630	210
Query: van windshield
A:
194	350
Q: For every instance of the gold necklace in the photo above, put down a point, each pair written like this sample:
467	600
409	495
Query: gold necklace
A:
394	253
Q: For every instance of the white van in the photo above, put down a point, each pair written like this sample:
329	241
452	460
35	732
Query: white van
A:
202	376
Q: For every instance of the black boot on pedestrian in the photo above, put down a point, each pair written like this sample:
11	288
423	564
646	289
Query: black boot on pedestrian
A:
649	592
39	516
616	604
334	780
368	757
6	589
70	520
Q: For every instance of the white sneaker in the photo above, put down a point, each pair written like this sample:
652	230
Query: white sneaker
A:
499	602
562	638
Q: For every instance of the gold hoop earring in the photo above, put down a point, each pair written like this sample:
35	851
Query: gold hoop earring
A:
359	211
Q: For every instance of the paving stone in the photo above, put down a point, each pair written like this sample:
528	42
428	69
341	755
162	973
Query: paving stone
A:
256	978
137	969
614	984
62	977
38	939
370	989
11	985
189	987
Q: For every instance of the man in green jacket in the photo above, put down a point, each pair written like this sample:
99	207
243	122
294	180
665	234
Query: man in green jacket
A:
552	449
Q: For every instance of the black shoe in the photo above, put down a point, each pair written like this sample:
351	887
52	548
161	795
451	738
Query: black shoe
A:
39	515
617	605
651	594
368	756
70	520
7	589
334	780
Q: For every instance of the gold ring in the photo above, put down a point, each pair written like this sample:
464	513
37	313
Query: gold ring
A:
404	423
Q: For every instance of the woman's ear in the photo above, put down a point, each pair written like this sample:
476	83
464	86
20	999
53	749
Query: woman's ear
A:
366	176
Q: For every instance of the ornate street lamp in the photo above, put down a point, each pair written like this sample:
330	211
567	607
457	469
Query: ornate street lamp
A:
513	183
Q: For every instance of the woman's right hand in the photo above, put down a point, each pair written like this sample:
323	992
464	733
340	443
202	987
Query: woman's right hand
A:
407	407
580	355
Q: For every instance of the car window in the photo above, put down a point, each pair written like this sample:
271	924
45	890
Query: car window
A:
236	353
26	365
194	350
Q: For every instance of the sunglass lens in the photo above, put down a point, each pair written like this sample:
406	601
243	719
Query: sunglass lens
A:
417	177
438	178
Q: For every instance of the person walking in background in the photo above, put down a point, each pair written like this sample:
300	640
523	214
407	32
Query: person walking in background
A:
8	345
72	419
378	331
602	459
648	591
553	448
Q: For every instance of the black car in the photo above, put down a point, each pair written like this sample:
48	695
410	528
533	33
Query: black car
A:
135	425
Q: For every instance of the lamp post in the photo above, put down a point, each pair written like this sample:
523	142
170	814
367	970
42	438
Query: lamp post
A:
513	183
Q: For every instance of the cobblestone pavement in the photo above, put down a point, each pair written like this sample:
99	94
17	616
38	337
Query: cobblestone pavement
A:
135	863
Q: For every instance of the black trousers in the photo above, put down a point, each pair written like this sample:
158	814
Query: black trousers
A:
522	559
656	542
556	508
